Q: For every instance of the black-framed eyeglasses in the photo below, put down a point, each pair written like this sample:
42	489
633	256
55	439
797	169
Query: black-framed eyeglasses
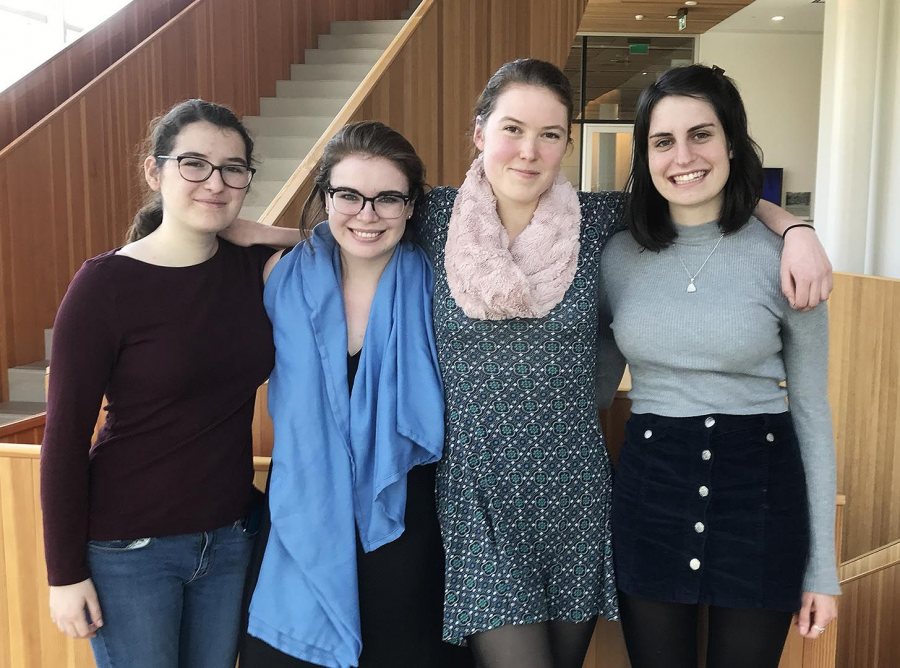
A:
197	170
387	205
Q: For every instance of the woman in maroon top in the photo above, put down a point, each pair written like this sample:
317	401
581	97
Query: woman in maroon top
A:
146	534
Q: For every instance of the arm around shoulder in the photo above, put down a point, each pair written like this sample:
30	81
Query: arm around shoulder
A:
806	273
243	232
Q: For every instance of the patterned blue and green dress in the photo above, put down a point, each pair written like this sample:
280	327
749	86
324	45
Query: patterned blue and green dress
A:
524	487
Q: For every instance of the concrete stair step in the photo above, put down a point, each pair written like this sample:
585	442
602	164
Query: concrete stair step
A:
306	89
366	27
341	71
300	106
26	382
290	126
252	212
13	411
341	56
283	147
292	122
262	192
277	169
364	41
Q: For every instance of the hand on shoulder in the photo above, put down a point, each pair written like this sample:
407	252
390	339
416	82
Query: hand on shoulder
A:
806	273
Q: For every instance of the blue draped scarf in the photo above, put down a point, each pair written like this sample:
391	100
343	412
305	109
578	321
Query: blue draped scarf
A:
340	460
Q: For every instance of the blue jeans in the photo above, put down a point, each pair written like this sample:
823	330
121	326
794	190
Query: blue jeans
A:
172	601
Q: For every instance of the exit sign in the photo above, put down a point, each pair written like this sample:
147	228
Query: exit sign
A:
638	49
682	19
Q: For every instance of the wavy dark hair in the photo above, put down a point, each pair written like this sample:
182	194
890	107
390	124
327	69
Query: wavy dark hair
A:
526	72
647	212
164	130
370	139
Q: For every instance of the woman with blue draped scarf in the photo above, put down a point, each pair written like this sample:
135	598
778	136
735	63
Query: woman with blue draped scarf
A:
350	566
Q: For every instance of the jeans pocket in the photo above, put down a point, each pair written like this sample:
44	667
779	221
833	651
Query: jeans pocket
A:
128	545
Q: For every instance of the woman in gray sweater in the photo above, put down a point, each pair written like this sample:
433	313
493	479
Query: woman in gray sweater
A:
724	495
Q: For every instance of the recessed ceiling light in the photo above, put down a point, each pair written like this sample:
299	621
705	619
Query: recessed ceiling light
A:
778	18
643	73
638	17
690	3
671	16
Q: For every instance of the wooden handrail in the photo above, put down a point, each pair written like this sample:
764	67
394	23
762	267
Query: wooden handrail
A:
35	95
295	185
32	421
99	79
33	451
20	450
871	562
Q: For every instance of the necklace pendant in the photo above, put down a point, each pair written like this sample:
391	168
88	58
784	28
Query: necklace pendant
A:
691	287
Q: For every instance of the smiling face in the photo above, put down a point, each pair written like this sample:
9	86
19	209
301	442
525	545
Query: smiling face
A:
366	235
209	206
688	156
523	142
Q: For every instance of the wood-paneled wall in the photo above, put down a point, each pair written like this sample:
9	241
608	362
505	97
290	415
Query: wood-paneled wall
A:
30	639
869	621
477	36
69	186
46	87
864	388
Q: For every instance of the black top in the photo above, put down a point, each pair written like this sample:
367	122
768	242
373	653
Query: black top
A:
179	353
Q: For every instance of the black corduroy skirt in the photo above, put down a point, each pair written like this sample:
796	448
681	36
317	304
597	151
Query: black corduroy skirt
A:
711	509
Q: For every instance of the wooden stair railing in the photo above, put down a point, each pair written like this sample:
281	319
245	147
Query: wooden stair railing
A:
50	84
69	184
869	620
27	430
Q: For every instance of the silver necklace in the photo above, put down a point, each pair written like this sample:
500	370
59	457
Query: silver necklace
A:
691	287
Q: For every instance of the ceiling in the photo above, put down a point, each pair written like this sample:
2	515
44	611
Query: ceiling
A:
617	16
800	16
616	76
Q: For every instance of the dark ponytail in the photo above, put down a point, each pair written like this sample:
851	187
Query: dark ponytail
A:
147	219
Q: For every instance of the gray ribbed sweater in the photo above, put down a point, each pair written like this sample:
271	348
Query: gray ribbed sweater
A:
723	349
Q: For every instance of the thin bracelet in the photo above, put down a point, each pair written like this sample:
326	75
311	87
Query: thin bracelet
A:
790	227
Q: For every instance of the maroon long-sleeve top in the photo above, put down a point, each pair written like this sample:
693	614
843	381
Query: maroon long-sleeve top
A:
179	353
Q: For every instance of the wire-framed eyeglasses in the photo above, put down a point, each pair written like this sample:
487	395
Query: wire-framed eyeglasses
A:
197	170
349	202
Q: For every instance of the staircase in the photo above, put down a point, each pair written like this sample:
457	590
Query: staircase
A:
26	388
288	126
290	123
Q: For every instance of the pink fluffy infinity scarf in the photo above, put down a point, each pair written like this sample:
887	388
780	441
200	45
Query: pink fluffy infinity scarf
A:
491	279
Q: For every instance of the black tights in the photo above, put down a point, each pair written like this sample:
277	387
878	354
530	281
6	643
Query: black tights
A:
552	644
664	635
